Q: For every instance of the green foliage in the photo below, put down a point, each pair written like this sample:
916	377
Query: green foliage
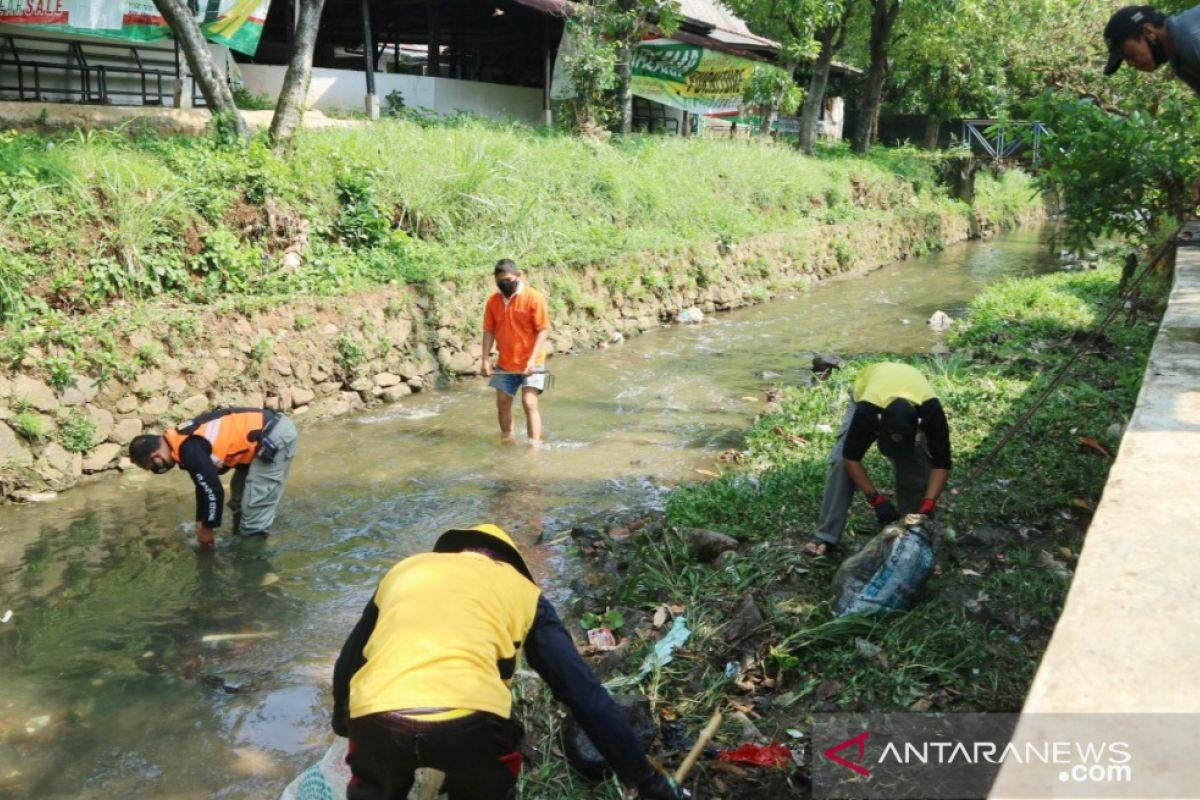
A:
1128	175
768	82
243	98
351	354
611	619
32	426
77	432
261	350
362	222
60	370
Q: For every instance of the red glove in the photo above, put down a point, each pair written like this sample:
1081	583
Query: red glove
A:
927	506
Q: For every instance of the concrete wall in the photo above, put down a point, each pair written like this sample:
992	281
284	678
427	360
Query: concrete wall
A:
345	90
1126	642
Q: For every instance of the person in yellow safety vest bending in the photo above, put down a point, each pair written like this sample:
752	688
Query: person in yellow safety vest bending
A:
423	679
893	406
258	444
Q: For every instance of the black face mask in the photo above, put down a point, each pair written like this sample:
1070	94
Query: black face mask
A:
162	468
507	288
1157	51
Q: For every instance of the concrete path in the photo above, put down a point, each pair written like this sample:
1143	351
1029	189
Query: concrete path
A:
1128	640
69	116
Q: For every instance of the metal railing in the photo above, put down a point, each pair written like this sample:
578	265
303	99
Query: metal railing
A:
1001	139
66	70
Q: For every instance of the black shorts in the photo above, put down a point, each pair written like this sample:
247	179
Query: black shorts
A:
479	754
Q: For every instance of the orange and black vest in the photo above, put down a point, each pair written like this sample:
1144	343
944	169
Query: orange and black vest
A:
233	434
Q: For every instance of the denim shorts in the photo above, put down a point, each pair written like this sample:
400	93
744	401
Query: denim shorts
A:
510	383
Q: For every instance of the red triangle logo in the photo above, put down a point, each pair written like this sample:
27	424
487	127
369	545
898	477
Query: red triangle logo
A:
856	766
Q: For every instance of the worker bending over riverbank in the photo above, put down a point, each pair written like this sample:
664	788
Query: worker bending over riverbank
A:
423	679
894	406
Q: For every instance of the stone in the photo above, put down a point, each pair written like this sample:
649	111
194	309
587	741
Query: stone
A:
282	365
329	329
386	379
5	386
102	457
273	403
30	496
84	390
209	370
329	387
584	756
302	396
361	385
102	418
176	385
393	394
706	545
463	363
62	460
127	404
149	382
416	384
319	373
34	393
746	620
302	370
285	398
827	361
124	431
155	408
13	450
940	321
300	410
195	404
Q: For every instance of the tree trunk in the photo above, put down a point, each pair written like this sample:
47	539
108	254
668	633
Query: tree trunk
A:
207	74
625	87
933	130
883	20
772	110
832	39
290	106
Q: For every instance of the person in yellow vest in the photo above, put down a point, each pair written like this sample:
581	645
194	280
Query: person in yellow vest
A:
256	443
893	406
423	679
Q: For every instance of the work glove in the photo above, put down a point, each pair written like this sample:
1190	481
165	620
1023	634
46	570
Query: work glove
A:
661	787
927	507
885	510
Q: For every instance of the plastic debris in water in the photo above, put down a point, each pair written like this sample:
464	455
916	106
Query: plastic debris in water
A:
235	637
770	755
602	638
7	618
940	321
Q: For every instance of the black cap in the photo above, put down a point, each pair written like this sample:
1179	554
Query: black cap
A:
505	266
1123	25
899	418
487	537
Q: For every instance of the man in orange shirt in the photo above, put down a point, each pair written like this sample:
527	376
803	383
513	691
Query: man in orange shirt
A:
517	321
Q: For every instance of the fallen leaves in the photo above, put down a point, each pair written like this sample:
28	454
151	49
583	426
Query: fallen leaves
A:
1092	444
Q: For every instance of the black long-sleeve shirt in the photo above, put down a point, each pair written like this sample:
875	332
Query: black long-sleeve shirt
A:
549	650
864	430
195	458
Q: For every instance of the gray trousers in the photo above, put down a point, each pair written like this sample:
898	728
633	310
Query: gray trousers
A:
255	491
912	478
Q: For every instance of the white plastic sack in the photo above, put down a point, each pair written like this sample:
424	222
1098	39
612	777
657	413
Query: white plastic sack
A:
329	777
890	572
325	780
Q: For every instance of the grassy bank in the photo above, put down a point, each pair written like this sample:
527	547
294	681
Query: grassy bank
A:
767	645
93	220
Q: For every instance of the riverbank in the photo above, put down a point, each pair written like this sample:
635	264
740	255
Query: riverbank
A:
766	646
146	279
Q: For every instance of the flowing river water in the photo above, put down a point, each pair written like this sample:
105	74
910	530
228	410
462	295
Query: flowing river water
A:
109	690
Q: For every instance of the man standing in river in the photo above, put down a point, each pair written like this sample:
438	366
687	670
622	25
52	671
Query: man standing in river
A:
894	406
257	443
516	320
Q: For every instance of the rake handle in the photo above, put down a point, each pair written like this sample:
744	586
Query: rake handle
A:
689	761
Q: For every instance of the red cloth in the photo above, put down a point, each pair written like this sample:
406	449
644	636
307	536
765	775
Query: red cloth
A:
771	755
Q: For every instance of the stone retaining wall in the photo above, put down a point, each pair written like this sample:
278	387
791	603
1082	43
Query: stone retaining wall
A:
316	358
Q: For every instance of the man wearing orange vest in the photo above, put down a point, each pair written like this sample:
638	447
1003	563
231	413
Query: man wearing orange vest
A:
517	321
423	679
258	444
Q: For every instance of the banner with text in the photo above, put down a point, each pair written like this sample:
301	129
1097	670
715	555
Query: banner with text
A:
692	78
236	24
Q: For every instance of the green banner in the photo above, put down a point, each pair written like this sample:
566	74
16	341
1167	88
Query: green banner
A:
236	24
689	77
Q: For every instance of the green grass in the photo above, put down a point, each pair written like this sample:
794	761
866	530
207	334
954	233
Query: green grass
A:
1008	543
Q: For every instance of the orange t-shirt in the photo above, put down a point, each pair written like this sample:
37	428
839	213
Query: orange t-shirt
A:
516	323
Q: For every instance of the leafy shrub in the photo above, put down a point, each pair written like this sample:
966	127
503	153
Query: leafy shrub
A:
31	425
77	432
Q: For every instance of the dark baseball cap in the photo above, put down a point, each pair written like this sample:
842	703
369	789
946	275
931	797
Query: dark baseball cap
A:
1123	25
899	419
